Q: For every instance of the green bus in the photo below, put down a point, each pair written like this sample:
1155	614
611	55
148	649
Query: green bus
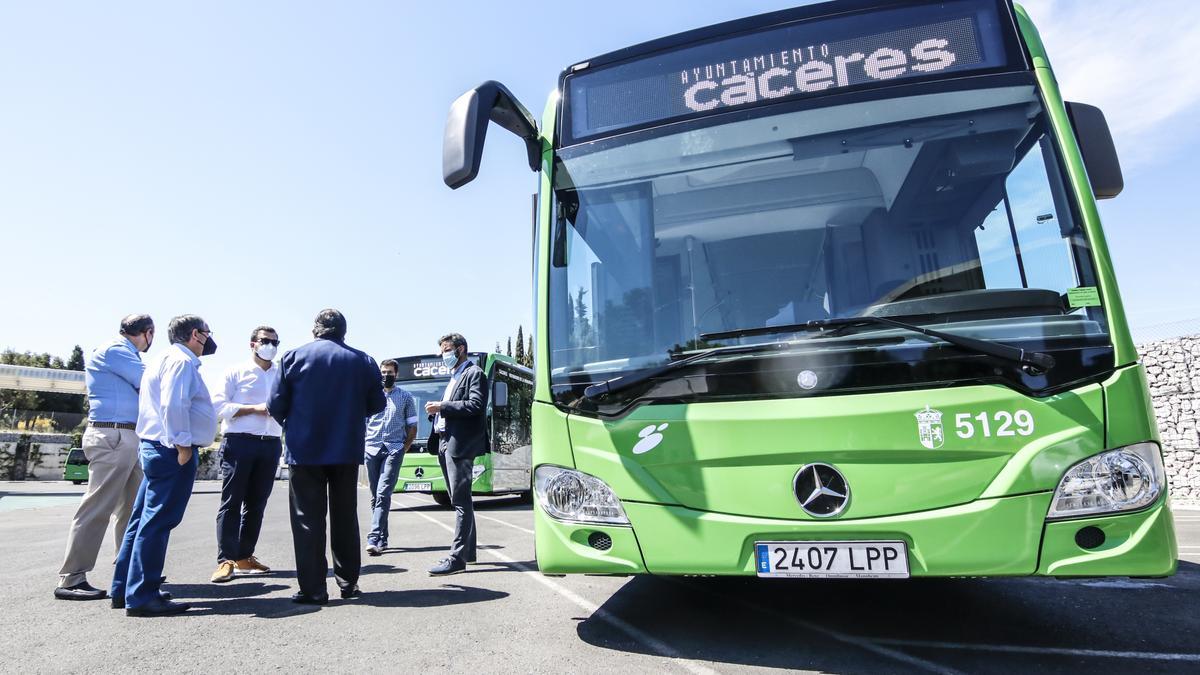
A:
825	293
506	468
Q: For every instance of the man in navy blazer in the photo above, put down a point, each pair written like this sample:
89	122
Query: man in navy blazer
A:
326	391
460	435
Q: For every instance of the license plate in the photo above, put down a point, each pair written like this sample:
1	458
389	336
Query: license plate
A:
832	559
418	487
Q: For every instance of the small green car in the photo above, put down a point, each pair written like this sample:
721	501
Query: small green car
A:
76	467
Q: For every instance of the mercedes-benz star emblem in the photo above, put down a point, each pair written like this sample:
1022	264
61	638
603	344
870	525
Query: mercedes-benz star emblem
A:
821	490
420	472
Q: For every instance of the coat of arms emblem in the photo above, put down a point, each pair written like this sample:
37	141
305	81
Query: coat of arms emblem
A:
929	428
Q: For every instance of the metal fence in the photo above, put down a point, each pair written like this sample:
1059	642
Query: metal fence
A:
29	421
1166	330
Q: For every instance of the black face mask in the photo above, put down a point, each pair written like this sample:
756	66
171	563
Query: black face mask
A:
210	347
389	380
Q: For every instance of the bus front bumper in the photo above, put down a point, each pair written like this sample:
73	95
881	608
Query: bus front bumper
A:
1005	536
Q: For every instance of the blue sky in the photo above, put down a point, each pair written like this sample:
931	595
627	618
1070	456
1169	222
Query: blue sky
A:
255	162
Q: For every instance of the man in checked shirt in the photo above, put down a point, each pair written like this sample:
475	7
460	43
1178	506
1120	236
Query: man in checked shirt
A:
389	435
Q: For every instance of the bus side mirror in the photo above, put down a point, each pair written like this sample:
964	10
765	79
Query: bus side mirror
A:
500	396
1099	152
466	129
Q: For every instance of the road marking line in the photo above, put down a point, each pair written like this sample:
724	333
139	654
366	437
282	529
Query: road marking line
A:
1061	651
494	520
504	522
663	649
863	643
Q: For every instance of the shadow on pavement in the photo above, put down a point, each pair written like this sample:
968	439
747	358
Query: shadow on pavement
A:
514	504
248	602
381	569
448	594
848	626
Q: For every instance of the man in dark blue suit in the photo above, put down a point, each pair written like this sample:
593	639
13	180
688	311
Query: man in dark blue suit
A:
326	391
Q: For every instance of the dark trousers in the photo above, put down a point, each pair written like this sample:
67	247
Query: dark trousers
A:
315	490
458	483
162	498
248	466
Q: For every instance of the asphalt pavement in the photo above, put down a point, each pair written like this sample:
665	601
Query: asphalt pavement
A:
504	616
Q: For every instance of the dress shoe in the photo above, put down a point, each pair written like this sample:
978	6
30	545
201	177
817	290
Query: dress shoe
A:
351	592
226	570
119	603
447	567
251	565
306	599
374	550
158	608
80	591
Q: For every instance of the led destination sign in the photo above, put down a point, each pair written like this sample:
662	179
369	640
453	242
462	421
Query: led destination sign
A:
429	367
779	63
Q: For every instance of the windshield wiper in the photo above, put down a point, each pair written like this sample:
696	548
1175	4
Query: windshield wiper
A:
624	382
1037	362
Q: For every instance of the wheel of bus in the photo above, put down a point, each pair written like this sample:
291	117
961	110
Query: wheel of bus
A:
77	482
442	498
525	497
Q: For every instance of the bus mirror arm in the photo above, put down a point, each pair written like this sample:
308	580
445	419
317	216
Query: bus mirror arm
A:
466	130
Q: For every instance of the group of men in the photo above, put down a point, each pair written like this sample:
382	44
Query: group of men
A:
336	408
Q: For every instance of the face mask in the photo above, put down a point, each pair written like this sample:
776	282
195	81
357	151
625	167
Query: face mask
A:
450	358
266	352
389	380
149	341
210	347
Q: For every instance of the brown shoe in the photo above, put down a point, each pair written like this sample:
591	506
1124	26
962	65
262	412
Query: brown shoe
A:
251	566
225	572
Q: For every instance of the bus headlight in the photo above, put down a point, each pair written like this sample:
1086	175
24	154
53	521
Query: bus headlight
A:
1124	479
575	496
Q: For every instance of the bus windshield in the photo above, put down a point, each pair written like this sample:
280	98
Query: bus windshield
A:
945	208
424	391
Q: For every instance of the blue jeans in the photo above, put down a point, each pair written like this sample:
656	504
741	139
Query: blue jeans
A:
383	468
162	498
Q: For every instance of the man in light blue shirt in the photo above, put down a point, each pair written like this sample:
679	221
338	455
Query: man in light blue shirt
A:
175	418
113	374
389	435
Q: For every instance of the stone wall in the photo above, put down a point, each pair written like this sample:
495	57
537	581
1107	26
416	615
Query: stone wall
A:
1173	369
42	458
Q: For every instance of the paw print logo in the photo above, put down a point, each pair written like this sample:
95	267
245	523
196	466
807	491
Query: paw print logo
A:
651	436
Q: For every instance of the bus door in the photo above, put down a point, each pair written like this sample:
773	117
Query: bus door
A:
511	447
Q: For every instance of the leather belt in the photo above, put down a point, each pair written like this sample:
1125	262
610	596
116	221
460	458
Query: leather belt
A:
113	425
257	437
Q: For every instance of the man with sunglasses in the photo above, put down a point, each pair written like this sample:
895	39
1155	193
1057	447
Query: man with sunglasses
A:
250	452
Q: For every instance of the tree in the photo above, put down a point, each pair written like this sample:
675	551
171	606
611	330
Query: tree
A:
498	348
520	355
509	351
529	352
76	360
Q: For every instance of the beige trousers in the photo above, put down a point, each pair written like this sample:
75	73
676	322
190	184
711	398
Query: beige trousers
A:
114	474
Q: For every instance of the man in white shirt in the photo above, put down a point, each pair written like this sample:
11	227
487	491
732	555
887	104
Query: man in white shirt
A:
250	452
175	418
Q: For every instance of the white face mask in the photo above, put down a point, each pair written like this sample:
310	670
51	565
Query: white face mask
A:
266	352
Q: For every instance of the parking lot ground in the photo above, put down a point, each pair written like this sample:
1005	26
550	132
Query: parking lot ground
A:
504	616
